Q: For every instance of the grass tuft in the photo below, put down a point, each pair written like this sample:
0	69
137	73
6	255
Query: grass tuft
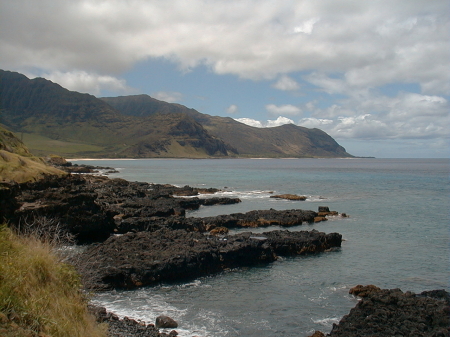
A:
39	295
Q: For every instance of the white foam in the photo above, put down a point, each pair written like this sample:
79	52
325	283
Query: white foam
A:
327	321
255	194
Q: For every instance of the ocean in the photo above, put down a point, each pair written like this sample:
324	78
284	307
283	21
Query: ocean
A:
396	236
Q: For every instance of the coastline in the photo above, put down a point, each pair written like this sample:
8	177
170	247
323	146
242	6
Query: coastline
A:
95	159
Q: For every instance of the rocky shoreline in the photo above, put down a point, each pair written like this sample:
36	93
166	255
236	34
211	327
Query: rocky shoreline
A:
147	258
391	312
138	235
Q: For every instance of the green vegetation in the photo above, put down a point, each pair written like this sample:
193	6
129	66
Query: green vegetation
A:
39	295
42	146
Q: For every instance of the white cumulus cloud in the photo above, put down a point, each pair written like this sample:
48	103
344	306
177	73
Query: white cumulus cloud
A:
250	122
267	124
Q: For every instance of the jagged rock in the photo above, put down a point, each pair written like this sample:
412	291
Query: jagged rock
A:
289	197
317	334
165	322
145	258
138	259
93	207
287	243
390	312
363	291
252	219
120	327
261	218
219	231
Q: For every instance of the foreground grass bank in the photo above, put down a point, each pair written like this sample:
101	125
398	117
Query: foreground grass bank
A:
39	295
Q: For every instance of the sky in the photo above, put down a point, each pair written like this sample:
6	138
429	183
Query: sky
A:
375	75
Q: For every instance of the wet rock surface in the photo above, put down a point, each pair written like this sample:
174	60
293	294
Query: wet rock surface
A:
125	327
391	312
146	258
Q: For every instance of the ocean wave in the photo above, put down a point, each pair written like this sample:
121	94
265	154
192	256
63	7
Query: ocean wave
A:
327	321
261	194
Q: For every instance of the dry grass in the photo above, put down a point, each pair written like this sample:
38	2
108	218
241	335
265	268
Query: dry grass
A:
21	169
39	295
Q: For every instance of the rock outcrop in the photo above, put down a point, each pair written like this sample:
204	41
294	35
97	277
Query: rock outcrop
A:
93	207
146	258
120	327
391	312
293	197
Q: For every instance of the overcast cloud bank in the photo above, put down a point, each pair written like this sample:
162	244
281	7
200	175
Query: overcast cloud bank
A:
349	50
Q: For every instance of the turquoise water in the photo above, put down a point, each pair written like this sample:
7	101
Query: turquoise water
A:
397	235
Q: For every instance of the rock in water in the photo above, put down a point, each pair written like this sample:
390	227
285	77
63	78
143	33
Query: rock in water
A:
289	197
165	322
390	312
145	258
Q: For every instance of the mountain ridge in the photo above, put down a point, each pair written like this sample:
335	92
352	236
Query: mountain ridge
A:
53	119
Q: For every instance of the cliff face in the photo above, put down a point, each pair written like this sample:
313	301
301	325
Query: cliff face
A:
283	141
52	119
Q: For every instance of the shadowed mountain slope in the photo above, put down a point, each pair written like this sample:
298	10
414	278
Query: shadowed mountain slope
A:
283	141
53	119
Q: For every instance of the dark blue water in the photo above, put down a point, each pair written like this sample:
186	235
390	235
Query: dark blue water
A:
397	236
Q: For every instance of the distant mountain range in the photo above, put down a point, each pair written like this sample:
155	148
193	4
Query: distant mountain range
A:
52	119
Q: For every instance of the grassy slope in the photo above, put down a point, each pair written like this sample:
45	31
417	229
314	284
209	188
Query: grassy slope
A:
38	294
42	146
17	163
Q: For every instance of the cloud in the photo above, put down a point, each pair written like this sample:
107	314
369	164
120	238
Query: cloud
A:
345	52
168	96
279	121
82	81
268	124
286	83
286	109
369	42
306	27
405	116
232	109
250	122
